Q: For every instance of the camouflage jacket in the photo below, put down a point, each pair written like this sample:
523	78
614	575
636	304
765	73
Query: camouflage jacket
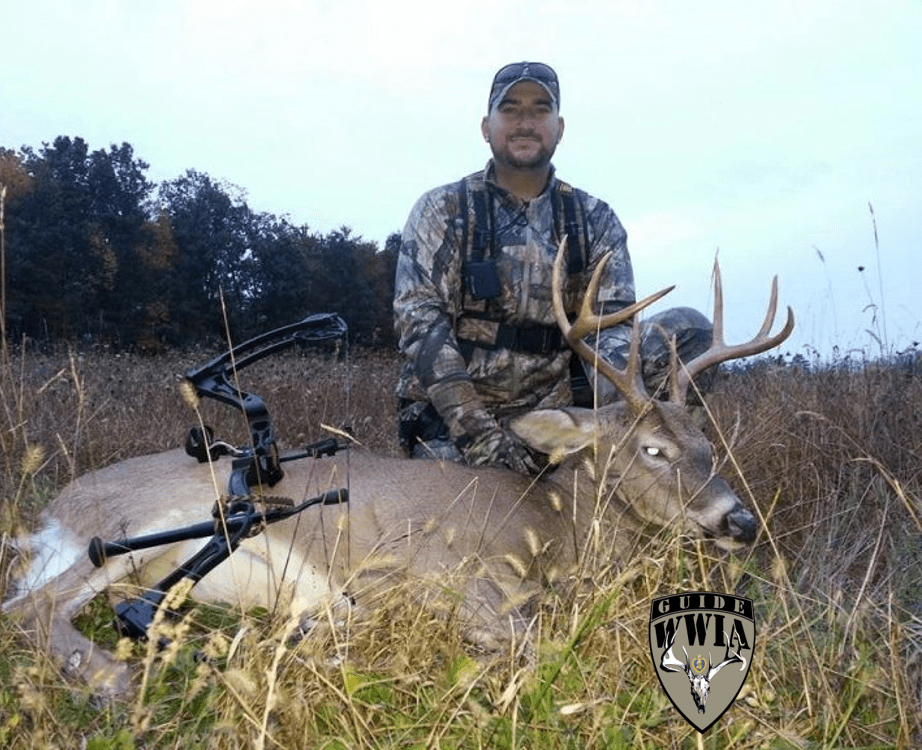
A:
434	310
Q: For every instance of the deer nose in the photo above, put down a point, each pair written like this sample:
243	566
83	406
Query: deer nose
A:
741	524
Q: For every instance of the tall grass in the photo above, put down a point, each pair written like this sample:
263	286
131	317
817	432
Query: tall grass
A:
829	460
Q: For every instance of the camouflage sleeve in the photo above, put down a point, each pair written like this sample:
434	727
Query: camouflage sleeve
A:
427	301
616	290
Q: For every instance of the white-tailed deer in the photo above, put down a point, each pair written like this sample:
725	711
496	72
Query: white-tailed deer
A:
492	537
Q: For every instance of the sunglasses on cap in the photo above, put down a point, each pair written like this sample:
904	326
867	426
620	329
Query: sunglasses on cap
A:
511	74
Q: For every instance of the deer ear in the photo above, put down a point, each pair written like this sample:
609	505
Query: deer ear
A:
557	432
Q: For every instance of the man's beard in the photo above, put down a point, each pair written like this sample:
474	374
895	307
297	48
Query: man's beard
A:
540	159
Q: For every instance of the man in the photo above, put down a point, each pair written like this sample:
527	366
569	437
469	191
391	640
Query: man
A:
472	302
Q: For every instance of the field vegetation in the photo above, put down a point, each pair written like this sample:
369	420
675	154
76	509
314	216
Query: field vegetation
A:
829	458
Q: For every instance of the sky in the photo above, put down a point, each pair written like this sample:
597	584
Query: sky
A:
781	137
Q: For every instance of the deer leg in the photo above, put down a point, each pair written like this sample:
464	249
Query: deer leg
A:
47	614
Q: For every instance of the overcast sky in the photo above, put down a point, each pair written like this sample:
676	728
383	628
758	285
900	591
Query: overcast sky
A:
762	129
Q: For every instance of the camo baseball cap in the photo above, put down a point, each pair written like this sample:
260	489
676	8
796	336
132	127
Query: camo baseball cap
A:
509	75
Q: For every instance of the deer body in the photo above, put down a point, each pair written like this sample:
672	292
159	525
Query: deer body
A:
488	538
498	536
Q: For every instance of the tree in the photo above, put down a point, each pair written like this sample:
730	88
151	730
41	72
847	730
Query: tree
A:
14	182
53	268
120	234
152	325
279	273
73	230
349	276
212	234
90	254
13	174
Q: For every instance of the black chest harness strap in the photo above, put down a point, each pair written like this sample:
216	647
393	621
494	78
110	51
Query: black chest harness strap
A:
481	280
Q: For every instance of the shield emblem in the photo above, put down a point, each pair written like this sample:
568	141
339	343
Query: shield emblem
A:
701	644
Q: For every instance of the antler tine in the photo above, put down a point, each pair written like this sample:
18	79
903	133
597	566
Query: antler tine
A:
719	351
626	380
718	305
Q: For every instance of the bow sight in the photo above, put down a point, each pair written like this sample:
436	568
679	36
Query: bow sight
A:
239	515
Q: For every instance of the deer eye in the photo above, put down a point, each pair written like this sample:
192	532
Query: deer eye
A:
652	450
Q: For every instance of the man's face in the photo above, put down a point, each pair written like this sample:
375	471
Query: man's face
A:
524	128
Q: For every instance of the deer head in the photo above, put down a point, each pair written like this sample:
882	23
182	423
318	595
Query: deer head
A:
661	461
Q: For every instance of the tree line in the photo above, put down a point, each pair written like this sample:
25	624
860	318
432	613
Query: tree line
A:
96	252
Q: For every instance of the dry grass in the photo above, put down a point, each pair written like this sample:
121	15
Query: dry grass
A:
830	460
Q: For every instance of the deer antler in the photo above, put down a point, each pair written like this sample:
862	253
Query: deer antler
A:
668	662
627	381
719	351
731	657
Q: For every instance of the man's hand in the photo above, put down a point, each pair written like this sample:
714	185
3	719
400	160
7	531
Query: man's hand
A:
474	430
497	447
